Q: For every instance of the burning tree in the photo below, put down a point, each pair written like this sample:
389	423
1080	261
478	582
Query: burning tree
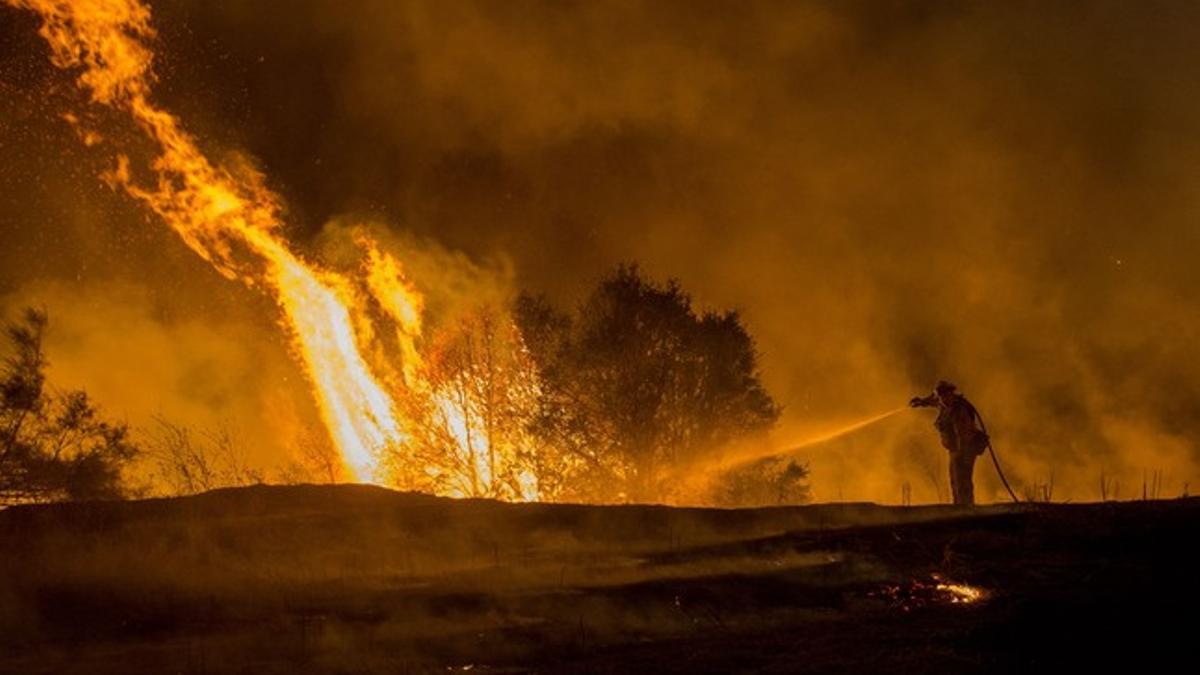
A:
54	445
636	384
469	421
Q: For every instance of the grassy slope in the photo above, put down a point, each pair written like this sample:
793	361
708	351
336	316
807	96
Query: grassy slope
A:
360	579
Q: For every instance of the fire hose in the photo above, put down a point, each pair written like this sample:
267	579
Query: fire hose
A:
995	459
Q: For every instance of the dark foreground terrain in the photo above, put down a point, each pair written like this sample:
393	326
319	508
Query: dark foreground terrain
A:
355	579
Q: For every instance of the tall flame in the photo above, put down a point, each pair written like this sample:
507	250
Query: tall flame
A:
233	222
386	283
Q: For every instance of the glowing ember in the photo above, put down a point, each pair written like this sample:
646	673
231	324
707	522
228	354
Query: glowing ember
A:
938	590
958	594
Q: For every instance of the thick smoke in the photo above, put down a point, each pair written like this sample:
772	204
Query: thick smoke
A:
1000	194
141	363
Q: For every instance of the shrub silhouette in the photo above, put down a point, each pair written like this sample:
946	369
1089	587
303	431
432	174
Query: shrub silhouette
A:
53	445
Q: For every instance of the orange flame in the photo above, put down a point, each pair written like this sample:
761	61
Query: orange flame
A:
387	284
233	222
229	217
958	594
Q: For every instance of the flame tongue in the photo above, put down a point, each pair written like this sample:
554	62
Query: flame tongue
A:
357	411
231	221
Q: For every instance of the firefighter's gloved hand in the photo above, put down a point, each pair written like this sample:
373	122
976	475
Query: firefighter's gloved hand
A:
917	402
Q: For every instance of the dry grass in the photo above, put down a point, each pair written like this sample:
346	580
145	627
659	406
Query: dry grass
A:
354	579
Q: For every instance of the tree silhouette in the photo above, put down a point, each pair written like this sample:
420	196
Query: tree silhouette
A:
636	383
187	461
53	445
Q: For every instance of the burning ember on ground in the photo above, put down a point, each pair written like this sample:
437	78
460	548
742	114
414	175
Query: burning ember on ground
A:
936	591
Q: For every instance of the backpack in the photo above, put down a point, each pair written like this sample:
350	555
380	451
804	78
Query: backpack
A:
977	441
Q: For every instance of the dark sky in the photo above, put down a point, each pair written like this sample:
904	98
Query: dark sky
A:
1001	193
